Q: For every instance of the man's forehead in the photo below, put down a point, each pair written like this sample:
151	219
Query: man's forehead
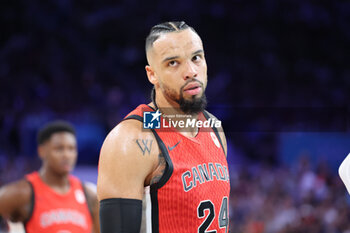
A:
60	136
177	41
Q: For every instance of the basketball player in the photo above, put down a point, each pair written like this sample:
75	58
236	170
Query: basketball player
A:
186	169
344	172
52	200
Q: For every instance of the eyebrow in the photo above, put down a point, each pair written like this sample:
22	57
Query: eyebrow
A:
170	58
175	57
198	51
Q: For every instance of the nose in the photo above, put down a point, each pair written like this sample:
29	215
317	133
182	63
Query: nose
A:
190	71
66	155
69	153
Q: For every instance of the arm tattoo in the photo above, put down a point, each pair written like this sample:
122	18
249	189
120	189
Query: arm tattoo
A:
160	169
145	145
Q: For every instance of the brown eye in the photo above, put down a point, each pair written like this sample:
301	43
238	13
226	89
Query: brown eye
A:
172	63
196	58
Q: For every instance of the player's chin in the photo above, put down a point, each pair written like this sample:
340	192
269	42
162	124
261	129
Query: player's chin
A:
195	97
66	169
190	96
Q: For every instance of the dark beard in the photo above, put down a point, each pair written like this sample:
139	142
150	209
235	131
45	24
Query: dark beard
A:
193	106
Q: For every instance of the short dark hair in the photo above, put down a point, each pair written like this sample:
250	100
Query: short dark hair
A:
162	28
51	128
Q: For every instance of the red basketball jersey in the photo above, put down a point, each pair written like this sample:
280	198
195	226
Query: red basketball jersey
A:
58	213
193	194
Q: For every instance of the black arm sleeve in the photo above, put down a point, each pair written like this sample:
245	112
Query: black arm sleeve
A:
119	215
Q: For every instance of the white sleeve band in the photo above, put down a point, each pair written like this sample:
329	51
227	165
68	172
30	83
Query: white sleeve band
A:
344	172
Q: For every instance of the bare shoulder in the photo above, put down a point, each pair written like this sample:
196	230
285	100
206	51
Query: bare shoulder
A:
15	200
16	191
131	131
128	156
221	133
128	141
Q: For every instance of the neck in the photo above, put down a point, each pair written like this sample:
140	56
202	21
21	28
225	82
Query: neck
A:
53	179
172	108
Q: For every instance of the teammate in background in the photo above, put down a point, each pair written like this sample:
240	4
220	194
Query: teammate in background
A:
52	200
186	168
344	172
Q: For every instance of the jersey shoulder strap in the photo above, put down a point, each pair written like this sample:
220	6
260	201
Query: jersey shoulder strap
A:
207	116
137	114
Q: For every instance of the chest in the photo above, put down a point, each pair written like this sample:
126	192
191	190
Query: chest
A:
198	163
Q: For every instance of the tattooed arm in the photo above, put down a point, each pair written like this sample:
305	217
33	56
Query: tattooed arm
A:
128	159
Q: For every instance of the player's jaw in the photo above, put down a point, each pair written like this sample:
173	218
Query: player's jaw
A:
63	167
191	97
66	166
193	105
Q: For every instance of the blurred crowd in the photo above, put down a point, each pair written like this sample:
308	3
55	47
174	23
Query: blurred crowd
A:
14	168
84	61
293	199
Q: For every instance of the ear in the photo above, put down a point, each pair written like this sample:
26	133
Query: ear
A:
151	75
41	151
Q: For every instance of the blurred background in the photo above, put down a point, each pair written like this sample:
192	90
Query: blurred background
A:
278	78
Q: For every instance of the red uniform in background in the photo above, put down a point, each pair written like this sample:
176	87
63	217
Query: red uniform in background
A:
58	213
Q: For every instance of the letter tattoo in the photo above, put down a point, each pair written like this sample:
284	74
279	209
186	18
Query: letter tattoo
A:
146	145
